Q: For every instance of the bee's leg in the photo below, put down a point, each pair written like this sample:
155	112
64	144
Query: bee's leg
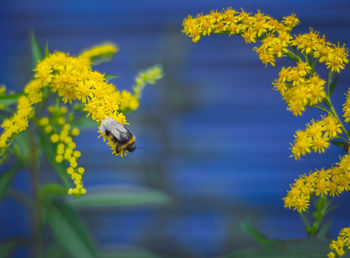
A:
108	134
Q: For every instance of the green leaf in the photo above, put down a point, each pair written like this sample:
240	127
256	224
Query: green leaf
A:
109	76
10	99
299	248
37	54
254	233
50	153
6	180
101	59
293	56
52	189
22	148
117	198
84	122
332	86
8	246
322	233
55	250
339	143
129	254
70	232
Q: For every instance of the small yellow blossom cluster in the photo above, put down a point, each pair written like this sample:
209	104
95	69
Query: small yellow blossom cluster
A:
73	79
2	93
19	121
298	88
335	57
232	22
346	107
316	136
343	241
105	50
274	35
322	182
61	134
148	76
130	101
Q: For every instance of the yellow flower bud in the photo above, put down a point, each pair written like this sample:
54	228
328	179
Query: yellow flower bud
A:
77	154
72	145
59	158
70	170
54	138
81	170
63	110
75	132
44	121
48	129
61	121
66	127
60	148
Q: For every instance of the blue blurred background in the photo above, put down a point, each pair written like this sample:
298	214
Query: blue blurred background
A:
215	135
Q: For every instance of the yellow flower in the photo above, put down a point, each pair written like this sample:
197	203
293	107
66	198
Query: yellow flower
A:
332	181
343	241
75	132
44	121
316	136
54	138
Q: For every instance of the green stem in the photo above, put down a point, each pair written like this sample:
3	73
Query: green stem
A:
334	113
329	83
293	56
37	209
321	211
306	221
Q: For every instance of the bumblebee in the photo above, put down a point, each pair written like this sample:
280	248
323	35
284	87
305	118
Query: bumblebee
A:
119	134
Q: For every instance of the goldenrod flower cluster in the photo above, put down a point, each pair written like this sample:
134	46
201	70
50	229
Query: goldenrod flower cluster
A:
343	241
322	182
73	79
105	50
299	88
19	121
316	136
61	135
346	107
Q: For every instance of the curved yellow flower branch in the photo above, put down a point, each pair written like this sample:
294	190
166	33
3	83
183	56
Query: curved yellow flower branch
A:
300	86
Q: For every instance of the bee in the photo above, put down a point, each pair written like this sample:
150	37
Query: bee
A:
119	134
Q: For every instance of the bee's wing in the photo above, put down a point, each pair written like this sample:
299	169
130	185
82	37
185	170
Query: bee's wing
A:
121	133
